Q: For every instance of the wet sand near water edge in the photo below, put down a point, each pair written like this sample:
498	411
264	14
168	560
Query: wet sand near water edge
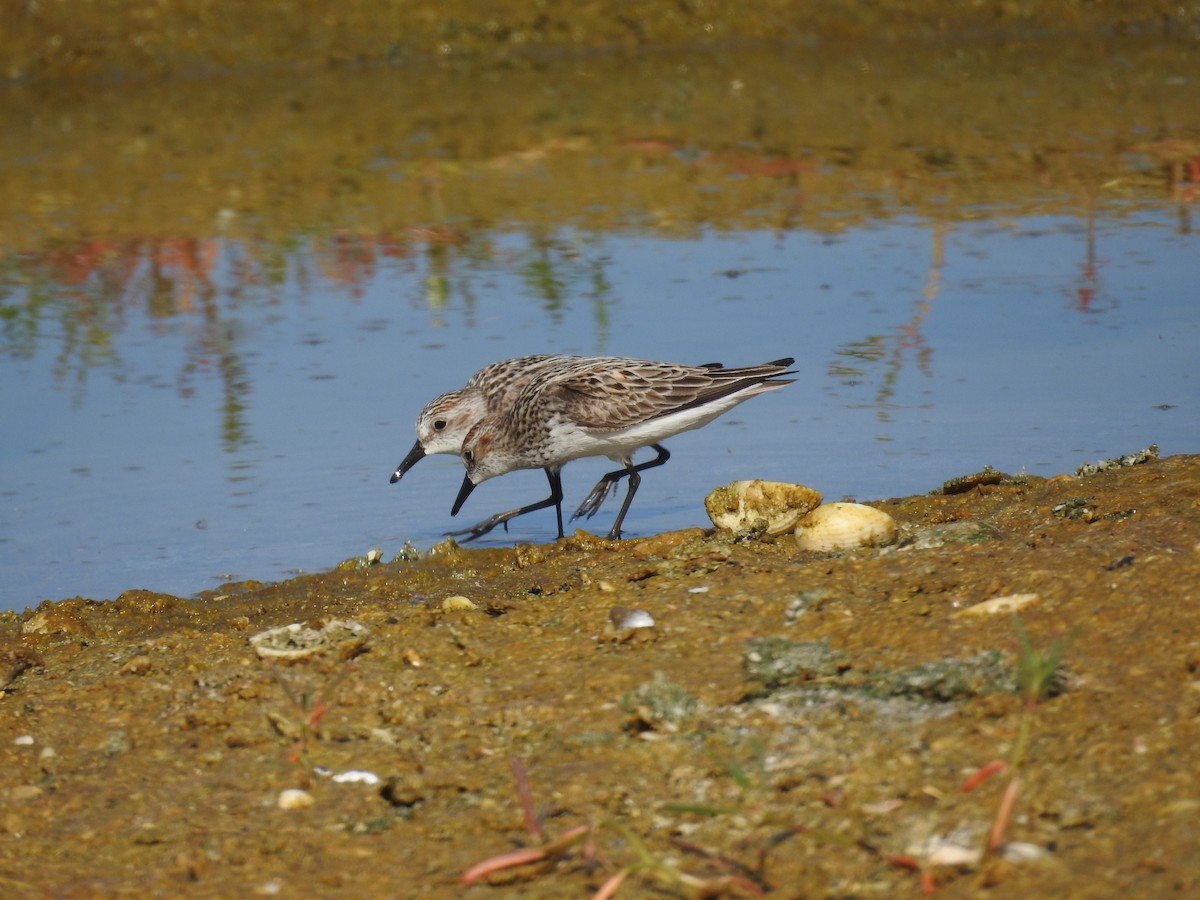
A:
801	721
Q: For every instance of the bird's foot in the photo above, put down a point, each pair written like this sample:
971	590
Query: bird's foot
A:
479	529
592	502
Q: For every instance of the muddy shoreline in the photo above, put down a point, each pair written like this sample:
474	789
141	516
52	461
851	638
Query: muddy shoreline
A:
122	39
148	745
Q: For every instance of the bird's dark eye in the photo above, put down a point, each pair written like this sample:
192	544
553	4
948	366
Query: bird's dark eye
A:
468	456
439	425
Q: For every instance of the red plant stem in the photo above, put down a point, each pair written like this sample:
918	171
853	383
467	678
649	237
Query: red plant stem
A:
503	861
318	713
982	774
609	888
1004	813
928	886
527	855
525	798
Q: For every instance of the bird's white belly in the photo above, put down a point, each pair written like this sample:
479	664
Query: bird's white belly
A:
574	442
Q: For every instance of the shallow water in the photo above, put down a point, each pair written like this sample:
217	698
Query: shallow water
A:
188	403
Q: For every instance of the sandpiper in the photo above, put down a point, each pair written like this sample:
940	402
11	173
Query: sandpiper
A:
447	418
602	406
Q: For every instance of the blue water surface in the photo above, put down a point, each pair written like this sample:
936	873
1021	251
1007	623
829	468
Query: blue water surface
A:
244	425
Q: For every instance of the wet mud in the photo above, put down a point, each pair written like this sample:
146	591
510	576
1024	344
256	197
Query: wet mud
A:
792	723
119	38
426	157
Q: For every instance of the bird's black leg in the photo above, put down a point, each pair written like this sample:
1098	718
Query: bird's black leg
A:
634	480
591	504
555	500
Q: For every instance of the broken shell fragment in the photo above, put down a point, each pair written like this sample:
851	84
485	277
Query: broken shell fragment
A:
738	506
845	526
1009	603
288	643
356	776
624	619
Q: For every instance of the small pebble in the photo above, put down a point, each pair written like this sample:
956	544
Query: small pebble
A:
958	848
1022	851
883	807
947	853
24	792
294	798
25	740
137	665
458	602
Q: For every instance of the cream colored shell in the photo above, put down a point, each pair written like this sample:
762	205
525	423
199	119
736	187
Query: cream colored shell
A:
845	526
295	798
739	505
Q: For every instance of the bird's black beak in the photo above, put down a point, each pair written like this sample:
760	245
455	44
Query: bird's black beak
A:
463	493
415	455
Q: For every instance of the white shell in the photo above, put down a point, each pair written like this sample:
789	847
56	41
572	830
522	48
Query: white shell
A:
741	504
289	643
294	798
845	526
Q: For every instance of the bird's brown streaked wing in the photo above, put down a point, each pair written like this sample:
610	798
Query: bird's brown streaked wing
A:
613	398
